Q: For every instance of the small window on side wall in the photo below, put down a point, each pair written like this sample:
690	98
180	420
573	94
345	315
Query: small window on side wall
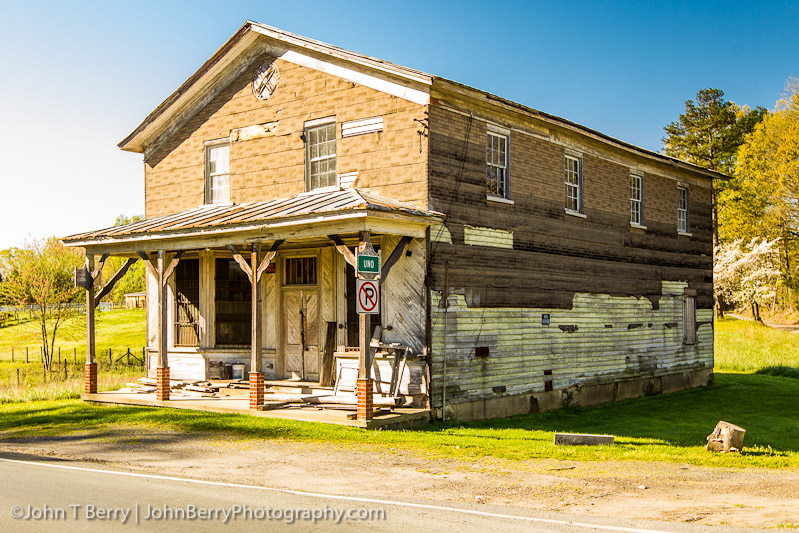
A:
682	210
636	200
574	184
217	172
497	165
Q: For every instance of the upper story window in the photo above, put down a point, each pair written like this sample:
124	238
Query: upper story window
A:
320	154
574	184
636	200
497	165
217	172
682	210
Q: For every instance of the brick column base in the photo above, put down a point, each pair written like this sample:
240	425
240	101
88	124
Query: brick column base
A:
90	378
365	401
162	384
256	389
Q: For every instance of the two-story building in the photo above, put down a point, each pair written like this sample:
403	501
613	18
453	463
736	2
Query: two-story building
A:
528	262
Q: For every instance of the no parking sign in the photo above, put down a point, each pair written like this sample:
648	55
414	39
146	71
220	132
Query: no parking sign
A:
368	296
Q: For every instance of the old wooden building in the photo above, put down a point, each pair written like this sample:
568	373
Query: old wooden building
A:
528	262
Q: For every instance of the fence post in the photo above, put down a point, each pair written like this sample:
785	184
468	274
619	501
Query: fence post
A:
59	355
110	359
75	353
128	354
17	377
27	355
65	369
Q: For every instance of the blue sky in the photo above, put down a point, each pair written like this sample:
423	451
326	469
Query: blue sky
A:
78	78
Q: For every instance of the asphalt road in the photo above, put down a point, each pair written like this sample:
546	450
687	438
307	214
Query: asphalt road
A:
47	495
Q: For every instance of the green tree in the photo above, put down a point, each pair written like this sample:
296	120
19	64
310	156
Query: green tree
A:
766	202
40	274
708	135
133	280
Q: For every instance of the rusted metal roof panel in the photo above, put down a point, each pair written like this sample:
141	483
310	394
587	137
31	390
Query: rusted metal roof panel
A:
218	216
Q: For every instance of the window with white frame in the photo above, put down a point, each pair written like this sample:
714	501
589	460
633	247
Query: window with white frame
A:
636	200
682	209
497	165
574	184
320	142
217	172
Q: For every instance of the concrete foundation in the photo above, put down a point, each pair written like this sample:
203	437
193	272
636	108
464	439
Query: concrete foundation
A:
576	395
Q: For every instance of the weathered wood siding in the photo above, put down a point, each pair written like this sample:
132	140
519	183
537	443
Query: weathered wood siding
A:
391	162
601	339
404	295
615	289
556	255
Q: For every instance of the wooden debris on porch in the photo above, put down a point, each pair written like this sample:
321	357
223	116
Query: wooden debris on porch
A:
239	385
271	405
200	388
138	388
725	438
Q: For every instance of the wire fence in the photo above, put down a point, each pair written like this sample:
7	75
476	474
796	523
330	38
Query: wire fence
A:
110	356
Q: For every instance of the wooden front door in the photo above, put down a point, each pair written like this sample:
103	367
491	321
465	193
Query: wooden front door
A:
301	334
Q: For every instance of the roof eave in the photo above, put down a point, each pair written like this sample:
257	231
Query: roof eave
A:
485	97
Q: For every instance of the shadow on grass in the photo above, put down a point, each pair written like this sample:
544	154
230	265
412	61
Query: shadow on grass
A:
781	371
763	405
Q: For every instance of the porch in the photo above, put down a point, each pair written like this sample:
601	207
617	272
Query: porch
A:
269	287
237	401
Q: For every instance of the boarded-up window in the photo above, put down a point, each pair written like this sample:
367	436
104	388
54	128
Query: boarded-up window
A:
187	303
233	304
689	320
300	271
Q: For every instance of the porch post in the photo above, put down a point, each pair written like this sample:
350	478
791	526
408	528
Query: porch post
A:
256	370
162	372
365	383
90	366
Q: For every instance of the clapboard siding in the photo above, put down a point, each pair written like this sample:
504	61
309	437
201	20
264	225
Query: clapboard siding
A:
556	256
521	348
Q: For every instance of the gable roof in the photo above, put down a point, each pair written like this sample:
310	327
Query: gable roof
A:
254	39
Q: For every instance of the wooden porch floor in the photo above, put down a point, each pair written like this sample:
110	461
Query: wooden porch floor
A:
237	402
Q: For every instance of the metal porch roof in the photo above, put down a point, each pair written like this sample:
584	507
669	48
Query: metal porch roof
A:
254	214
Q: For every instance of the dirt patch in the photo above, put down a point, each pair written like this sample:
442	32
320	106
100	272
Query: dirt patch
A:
656	491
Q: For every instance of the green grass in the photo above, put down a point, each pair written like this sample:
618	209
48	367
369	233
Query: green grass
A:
662	428
748	346
117	330
669	427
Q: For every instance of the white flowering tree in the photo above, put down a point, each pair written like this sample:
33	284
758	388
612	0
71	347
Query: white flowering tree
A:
747	274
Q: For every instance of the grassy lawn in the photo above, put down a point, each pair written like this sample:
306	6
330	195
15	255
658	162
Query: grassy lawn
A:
669	427
117	330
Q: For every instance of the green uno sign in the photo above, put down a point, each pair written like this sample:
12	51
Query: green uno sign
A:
368	264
